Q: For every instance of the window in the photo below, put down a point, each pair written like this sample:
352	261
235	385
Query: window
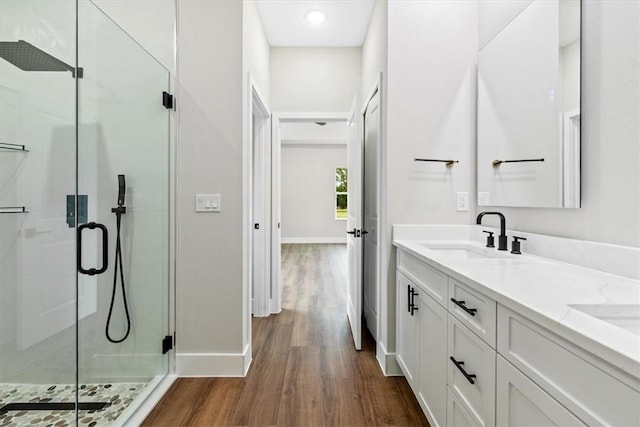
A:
341	193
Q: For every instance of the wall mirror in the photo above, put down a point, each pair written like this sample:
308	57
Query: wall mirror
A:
529	103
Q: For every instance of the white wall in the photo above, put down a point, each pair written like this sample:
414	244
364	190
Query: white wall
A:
314	78
430	112
610	209
308	193
494	15
570	68
209	246
150	22
256	50
374	48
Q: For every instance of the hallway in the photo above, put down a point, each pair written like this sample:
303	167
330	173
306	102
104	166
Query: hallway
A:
305	371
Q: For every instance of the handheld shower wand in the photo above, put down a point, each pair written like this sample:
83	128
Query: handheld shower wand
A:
119	210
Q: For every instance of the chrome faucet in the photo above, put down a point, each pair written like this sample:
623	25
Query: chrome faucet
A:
502	238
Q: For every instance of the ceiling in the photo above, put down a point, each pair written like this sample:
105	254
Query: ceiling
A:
285	22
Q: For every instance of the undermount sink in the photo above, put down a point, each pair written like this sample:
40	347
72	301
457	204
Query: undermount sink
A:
464	250
625	316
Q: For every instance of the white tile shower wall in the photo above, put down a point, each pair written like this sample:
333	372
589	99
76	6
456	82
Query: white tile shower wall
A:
37	268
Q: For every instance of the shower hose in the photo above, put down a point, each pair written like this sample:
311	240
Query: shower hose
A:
119	211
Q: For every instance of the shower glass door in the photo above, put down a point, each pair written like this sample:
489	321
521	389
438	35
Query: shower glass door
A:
38	294
123	130
80	106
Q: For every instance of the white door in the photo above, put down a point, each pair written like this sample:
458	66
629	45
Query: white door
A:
354	225
370	212
276	236
261	226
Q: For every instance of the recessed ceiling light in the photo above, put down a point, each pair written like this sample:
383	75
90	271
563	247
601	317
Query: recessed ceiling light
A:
316	17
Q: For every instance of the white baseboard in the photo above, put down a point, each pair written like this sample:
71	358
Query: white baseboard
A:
314	240
213	364
387	361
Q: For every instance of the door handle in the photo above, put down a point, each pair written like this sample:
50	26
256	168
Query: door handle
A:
353	232
105	248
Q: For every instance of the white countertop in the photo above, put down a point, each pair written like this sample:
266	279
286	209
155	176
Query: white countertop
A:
542	290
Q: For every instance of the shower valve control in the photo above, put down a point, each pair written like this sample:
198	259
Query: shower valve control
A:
207	202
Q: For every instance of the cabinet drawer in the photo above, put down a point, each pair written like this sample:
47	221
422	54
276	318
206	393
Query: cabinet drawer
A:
575	378
468	353
457	414
430	279
520	402
480	313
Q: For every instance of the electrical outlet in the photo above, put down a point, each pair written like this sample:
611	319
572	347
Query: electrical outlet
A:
483	198
462	201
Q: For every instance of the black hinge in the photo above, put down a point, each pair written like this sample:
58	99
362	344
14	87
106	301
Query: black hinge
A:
167	344
167	100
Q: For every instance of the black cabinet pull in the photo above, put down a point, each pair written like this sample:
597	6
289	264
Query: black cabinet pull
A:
469	377
413	301
352	232
471	311
409	298
105	249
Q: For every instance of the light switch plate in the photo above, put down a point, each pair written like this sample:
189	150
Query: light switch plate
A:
208	203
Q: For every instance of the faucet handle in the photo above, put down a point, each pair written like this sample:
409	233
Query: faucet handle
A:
515	245
490	239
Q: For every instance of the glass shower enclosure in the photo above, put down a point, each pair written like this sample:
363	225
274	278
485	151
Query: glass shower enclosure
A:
84	217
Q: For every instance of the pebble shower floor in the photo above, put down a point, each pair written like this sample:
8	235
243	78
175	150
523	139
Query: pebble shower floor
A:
119	396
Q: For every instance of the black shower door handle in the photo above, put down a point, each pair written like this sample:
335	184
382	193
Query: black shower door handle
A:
105	248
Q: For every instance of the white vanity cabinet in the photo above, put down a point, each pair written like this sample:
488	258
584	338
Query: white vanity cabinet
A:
520	402
407	338
471	374
587	386
472	360
422	334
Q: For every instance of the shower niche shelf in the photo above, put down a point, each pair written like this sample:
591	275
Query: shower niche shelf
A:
13	147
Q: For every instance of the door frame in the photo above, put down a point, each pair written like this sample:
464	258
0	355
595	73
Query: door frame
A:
276	212
385	331
256	107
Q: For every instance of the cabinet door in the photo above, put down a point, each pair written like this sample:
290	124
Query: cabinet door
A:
520	402
457	415
433	360
406	329
472	372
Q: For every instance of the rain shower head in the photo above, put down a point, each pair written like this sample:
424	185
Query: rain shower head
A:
27	57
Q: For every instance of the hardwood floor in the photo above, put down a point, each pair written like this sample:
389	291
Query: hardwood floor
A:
305	370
